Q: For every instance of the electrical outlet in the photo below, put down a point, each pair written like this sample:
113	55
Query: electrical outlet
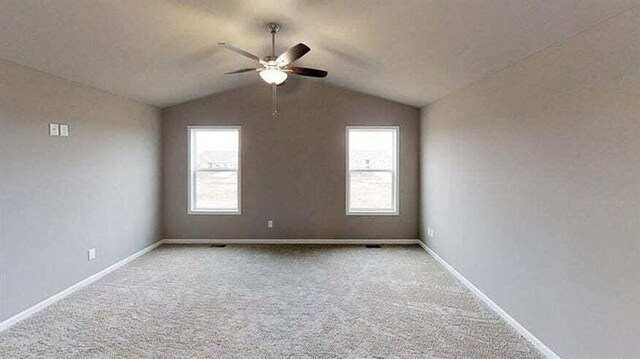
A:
64	130
92	254
54	129
270	223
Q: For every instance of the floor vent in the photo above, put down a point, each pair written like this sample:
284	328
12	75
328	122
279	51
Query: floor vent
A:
218	245
373	246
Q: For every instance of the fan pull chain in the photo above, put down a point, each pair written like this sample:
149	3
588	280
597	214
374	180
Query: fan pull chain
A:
274	98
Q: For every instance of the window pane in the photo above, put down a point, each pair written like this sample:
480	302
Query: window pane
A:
216	149
217	190
371	190
371	149
215	160
372	169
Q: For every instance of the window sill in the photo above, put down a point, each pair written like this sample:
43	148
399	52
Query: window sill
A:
215	213
373	213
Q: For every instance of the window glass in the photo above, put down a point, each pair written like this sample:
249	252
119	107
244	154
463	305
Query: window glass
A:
215	169
372	178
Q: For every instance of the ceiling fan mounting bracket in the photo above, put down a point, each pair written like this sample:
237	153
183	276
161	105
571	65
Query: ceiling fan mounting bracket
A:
273	27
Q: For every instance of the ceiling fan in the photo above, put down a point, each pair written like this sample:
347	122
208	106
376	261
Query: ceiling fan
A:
275	69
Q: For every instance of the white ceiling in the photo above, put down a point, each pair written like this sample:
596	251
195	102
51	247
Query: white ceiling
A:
163	53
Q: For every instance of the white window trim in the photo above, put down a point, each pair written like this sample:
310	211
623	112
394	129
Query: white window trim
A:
191	170
396	178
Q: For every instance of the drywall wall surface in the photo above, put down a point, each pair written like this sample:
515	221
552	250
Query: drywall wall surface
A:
60	196
293	165
531	183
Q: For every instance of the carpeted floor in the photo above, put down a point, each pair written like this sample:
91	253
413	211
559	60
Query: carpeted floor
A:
278	301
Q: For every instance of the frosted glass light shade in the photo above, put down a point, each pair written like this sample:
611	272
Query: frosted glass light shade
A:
273	76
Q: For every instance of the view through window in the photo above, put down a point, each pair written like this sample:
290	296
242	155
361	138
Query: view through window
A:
214	158
372	173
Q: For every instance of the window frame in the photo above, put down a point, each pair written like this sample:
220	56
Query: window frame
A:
192	170
395	179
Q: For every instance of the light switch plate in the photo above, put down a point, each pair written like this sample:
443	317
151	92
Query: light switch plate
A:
54	129
64	130
270	223
92	254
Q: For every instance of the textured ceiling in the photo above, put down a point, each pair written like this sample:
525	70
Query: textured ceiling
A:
163	53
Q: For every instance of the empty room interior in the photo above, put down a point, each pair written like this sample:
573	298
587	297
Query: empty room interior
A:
320	179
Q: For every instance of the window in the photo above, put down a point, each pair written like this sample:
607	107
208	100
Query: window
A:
214	170
372	170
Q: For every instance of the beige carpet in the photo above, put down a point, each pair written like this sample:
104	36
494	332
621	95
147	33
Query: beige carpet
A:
279	301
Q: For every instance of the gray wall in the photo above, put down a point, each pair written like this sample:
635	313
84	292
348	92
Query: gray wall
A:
98	188
293	165
531	180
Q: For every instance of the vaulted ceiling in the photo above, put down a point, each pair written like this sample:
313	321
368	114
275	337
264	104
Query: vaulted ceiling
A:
163	53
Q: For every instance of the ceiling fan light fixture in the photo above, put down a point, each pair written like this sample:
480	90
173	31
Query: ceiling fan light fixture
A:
273	76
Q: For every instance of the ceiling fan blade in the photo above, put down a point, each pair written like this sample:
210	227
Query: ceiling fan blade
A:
241	71
239	51
305	71
292	54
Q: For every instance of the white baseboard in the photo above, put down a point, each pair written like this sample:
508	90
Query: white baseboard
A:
517	326
83	283
291	241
